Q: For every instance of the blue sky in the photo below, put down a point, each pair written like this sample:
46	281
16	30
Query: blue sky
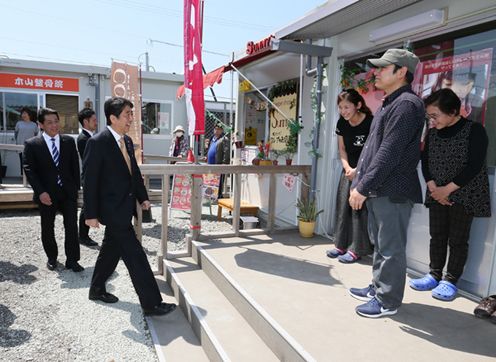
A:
96	31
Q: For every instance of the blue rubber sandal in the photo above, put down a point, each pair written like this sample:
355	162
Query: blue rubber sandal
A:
445	291
334	253
427	282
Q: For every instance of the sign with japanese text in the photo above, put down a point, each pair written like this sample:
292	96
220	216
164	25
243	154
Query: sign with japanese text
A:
210	188
41	82
279	130
181	192
125	83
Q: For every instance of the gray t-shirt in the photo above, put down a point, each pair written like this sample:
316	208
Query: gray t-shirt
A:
25	130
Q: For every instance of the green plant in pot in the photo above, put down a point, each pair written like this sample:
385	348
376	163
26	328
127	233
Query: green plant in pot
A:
292	146
307	216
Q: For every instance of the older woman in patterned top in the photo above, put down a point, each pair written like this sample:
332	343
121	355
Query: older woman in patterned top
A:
454	168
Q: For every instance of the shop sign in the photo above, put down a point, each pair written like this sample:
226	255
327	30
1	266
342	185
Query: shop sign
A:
42	82
258	47
279	130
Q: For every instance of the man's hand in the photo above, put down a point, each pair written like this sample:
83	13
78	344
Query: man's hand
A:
45	199
356	199
92	223
146	205
350	173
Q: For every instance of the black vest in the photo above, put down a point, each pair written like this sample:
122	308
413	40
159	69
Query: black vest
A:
447	158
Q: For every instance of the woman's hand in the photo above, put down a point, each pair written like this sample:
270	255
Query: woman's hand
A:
350	173
441	195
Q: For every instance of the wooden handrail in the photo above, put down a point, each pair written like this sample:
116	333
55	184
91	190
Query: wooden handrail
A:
165	170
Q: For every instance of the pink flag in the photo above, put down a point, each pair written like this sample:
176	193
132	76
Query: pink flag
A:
193	80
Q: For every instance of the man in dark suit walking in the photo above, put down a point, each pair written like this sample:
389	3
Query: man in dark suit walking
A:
88	121
113	183
51	166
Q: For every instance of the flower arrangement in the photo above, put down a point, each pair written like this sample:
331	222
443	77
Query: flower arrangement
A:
263	151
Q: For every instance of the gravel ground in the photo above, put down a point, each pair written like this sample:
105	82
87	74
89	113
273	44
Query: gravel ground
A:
46	315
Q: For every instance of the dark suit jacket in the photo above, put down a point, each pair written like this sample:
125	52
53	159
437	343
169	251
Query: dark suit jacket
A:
81	142
41	171
110	192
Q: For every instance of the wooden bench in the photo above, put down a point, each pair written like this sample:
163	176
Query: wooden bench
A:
245	208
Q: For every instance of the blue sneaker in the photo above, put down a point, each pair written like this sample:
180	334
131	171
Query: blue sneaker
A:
334	253
425	283
363	294
374	309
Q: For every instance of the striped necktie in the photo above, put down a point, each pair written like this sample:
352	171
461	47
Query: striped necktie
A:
56	159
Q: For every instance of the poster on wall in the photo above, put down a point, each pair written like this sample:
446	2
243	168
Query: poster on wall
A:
125	83
466	74
279	130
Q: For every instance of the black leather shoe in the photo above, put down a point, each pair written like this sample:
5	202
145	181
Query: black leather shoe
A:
74	266
161	309
104	297
51	264
87	241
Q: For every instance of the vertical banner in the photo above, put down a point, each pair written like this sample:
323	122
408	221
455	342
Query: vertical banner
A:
193	79
125	83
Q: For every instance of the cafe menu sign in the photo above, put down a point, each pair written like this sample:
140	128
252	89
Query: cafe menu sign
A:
40	82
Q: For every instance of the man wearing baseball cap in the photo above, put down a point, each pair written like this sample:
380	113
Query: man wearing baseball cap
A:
388	182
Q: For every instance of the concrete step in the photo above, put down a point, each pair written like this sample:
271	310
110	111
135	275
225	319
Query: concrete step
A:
172	334
224	334
283	345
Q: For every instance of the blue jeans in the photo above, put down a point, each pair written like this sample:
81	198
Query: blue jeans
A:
388	223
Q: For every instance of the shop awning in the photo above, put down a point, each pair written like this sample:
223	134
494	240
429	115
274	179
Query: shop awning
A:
209	79
215	76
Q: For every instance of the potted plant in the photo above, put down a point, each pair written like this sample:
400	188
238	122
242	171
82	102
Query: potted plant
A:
263	154
307	216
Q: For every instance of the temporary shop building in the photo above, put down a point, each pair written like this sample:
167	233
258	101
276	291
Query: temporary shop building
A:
70	87
452	37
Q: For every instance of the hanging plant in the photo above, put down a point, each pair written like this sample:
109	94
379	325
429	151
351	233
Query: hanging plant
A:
348	78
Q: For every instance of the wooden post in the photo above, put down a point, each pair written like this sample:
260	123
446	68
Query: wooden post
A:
272	202
162	252
196	206
305	188
236	203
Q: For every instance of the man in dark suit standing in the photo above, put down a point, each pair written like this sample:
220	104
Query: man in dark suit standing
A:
112	184
88	121
51	166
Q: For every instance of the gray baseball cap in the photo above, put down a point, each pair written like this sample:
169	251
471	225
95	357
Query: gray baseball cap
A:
400	57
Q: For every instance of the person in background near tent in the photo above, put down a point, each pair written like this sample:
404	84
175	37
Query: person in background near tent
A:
89	123
351	238
219	151
25	128
454	168
52	168
179	146
387	180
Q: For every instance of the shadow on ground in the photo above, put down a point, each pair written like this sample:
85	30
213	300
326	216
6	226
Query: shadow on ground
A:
17	274
448	328
10	337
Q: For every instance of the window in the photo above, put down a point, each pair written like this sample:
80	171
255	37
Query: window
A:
11	105
156	117
67	108
255	118
464	61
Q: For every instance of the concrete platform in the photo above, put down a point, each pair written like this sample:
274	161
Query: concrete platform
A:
291	284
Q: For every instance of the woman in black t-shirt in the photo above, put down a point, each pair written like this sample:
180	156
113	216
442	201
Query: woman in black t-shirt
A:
351	238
